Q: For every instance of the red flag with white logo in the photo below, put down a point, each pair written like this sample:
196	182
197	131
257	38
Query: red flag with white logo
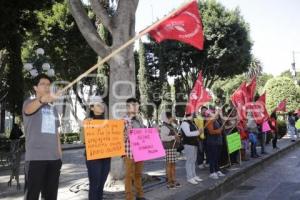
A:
198	96
185	26
259	110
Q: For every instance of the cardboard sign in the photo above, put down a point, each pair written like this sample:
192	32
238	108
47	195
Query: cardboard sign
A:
298	124
145	144
266	127
104	138
233	142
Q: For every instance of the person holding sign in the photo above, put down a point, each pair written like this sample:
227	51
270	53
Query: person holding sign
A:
133	169
43	149
98	169
229	128
214	144
191	138
169	138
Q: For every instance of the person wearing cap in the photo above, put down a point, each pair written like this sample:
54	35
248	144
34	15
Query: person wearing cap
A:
191	139
98	169
133	170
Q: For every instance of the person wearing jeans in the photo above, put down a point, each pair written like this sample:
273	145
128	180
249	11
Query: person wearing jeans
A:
190	135
253	131
97	169
214	144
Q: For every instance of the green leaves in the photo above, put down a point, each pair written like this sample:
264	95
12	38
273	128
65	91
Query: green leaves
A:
281	88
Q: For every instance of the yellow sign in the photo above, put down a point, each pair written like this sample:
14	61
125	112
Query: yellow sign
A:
104	138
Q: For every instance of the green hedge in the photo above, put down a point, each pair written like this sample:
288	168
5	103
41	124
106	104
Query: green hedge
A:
69	138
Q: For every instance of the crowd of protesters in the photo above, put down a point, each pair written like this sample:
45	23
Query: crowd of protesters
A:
200	136
203	136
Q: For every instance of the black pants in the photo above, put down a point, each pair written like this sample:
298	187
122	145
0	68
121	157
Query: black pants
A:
202	153
42	176
97	171
214	154
274	140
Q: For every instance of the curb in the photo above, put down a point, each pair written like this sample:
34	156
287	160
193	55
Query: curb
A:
71	147
235	179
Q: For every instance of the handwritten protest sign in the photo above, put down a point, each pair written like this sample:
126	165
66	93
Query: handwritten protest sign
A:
145	144
104	138
298	124
233	142
266	127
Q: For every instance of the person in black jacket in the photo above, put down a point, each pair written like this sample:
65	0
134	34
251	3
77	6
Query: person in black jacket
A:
190	135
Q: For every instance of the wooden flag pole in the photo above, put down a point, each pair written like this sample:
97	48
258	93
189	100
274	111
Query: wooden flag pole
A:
129	42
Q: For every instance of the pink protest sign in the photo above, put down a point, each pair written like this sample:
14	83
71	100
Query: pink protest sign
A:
145	144
266	127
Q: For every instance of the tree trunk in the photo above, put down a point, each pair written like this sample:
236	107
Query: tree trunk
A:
122	67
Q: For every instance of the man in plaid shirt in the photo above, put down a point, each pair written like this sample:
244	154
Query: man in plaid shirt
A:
133	169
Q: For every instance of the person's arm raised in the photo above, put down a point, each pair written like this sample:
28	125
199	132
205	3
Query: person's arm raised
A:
33	106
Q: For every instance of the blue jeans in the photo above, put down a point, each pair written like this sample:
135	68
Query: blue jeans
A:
253	141
97	171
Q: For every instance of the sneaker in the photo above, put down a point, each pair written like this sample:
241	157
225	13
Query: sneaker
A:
219	173
171	186
196	178
178	185
192	181
214	176
202	166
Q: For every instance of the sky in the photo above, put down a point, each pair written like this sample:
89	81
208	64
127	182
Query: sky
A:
274	27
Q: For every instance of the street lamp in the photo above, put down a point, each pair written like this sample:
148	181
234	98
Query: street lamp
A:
293	69
38	65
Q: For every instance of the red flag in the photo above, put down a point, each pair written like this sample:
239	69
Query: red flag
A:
198	96
251	90
259	110
239	99
185	26
281	106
